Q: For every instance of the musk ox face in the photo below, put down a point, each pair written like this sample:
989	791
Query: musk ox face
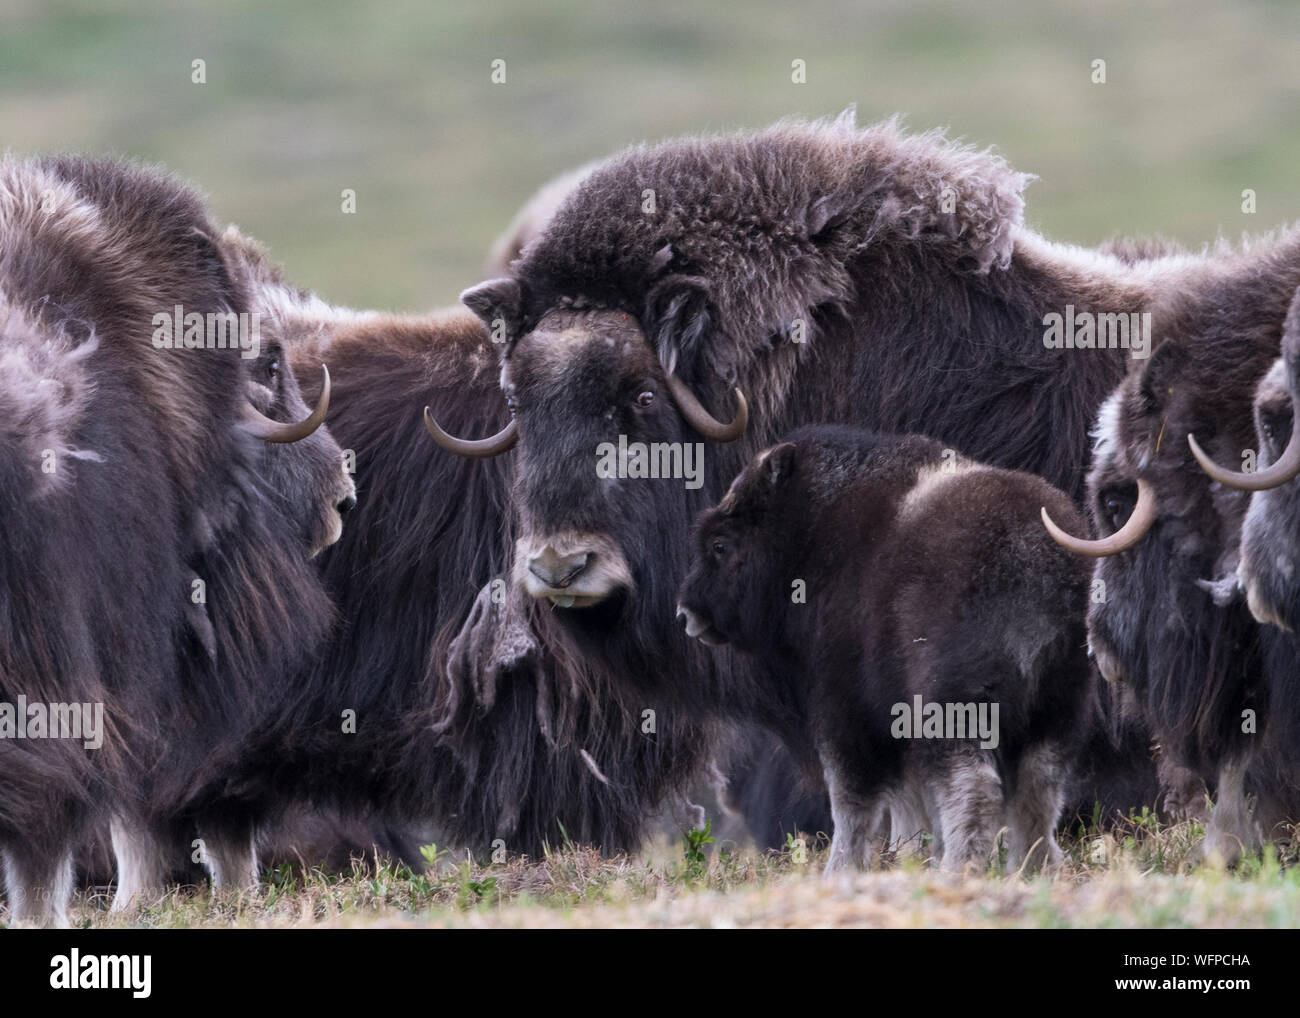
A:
1151	604
1164	614
1270	542
578	381
610	457
745	546
304	473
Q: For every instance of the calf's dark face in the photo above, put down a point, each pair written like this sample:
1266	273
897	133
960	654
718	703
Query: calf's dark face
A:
306	478
733	592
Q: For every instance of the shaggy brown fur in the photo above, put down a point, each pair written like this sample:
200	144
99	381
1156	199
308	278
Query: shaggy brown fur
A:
923	579
916	313
1164	627
155	482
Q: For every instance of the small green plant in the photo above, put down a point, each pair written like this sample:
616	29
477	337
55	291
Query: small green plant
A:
473	891
431	854
693	849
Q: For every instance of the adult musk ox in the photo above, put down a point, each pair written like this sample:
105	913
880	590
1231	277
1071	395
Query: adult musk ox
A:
1266	571
391	722
892	590
1270	536
831	274
264	613
121	465
1166	622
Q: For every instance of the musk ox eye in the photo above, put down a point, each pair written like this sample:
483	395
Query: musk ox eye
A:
1275	424
719	548
1115	506
645	399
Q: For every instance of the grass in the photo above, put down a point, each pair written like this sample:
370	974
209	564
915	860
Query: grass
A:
1140	874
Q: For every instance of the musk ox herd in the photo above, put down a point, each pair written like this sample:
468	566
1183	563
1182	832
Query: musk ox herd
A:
788	462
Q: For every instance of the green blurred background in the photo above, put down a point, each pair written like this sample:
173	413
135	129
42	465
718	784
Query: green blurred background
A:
304	99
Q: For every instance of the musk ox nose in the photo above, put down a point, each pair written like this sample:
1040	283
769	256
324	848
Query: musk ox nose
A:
347	505
556	570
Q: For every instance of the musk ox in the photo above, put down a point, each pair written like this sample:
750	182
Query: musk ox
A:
927	645
122	462
1266	568
263	614
831	274
1165	621
383	723
1270	535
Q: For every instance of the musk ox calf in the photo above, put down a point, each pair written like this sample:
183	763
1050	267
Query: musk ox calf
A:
925	634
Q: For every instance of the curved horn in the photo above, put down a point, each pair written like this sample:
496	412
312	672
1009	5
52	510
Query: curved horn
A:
1286	467
1139	522
503	441
278	431
704	422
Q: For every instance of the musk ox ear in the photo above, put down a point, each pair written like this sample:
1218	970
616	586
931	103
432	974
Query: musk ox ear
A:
678	317
499	302
825	213
1160	376
778	464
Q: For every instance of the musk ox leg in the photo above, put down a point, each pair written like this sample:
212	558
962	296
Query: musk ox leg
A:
142	868
38	891
1034	807
1182	792
231	857
909	817
968	800
1231	830
858	816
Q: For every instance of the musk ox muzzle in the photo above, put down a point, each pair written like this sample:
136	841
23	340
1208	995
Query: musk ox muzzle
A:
573	570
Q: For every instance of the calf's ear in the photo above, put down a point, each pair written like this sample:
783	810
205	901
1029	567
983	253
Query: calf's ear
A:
778	464
499	302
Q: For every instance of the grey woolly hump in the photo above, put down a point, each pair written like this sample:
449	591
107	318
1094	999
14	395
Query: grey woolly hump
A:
719	243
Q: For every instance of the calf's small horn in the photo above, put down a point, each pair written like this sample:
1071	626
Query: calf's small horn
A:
278	431
482	448
703	421
1139	522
